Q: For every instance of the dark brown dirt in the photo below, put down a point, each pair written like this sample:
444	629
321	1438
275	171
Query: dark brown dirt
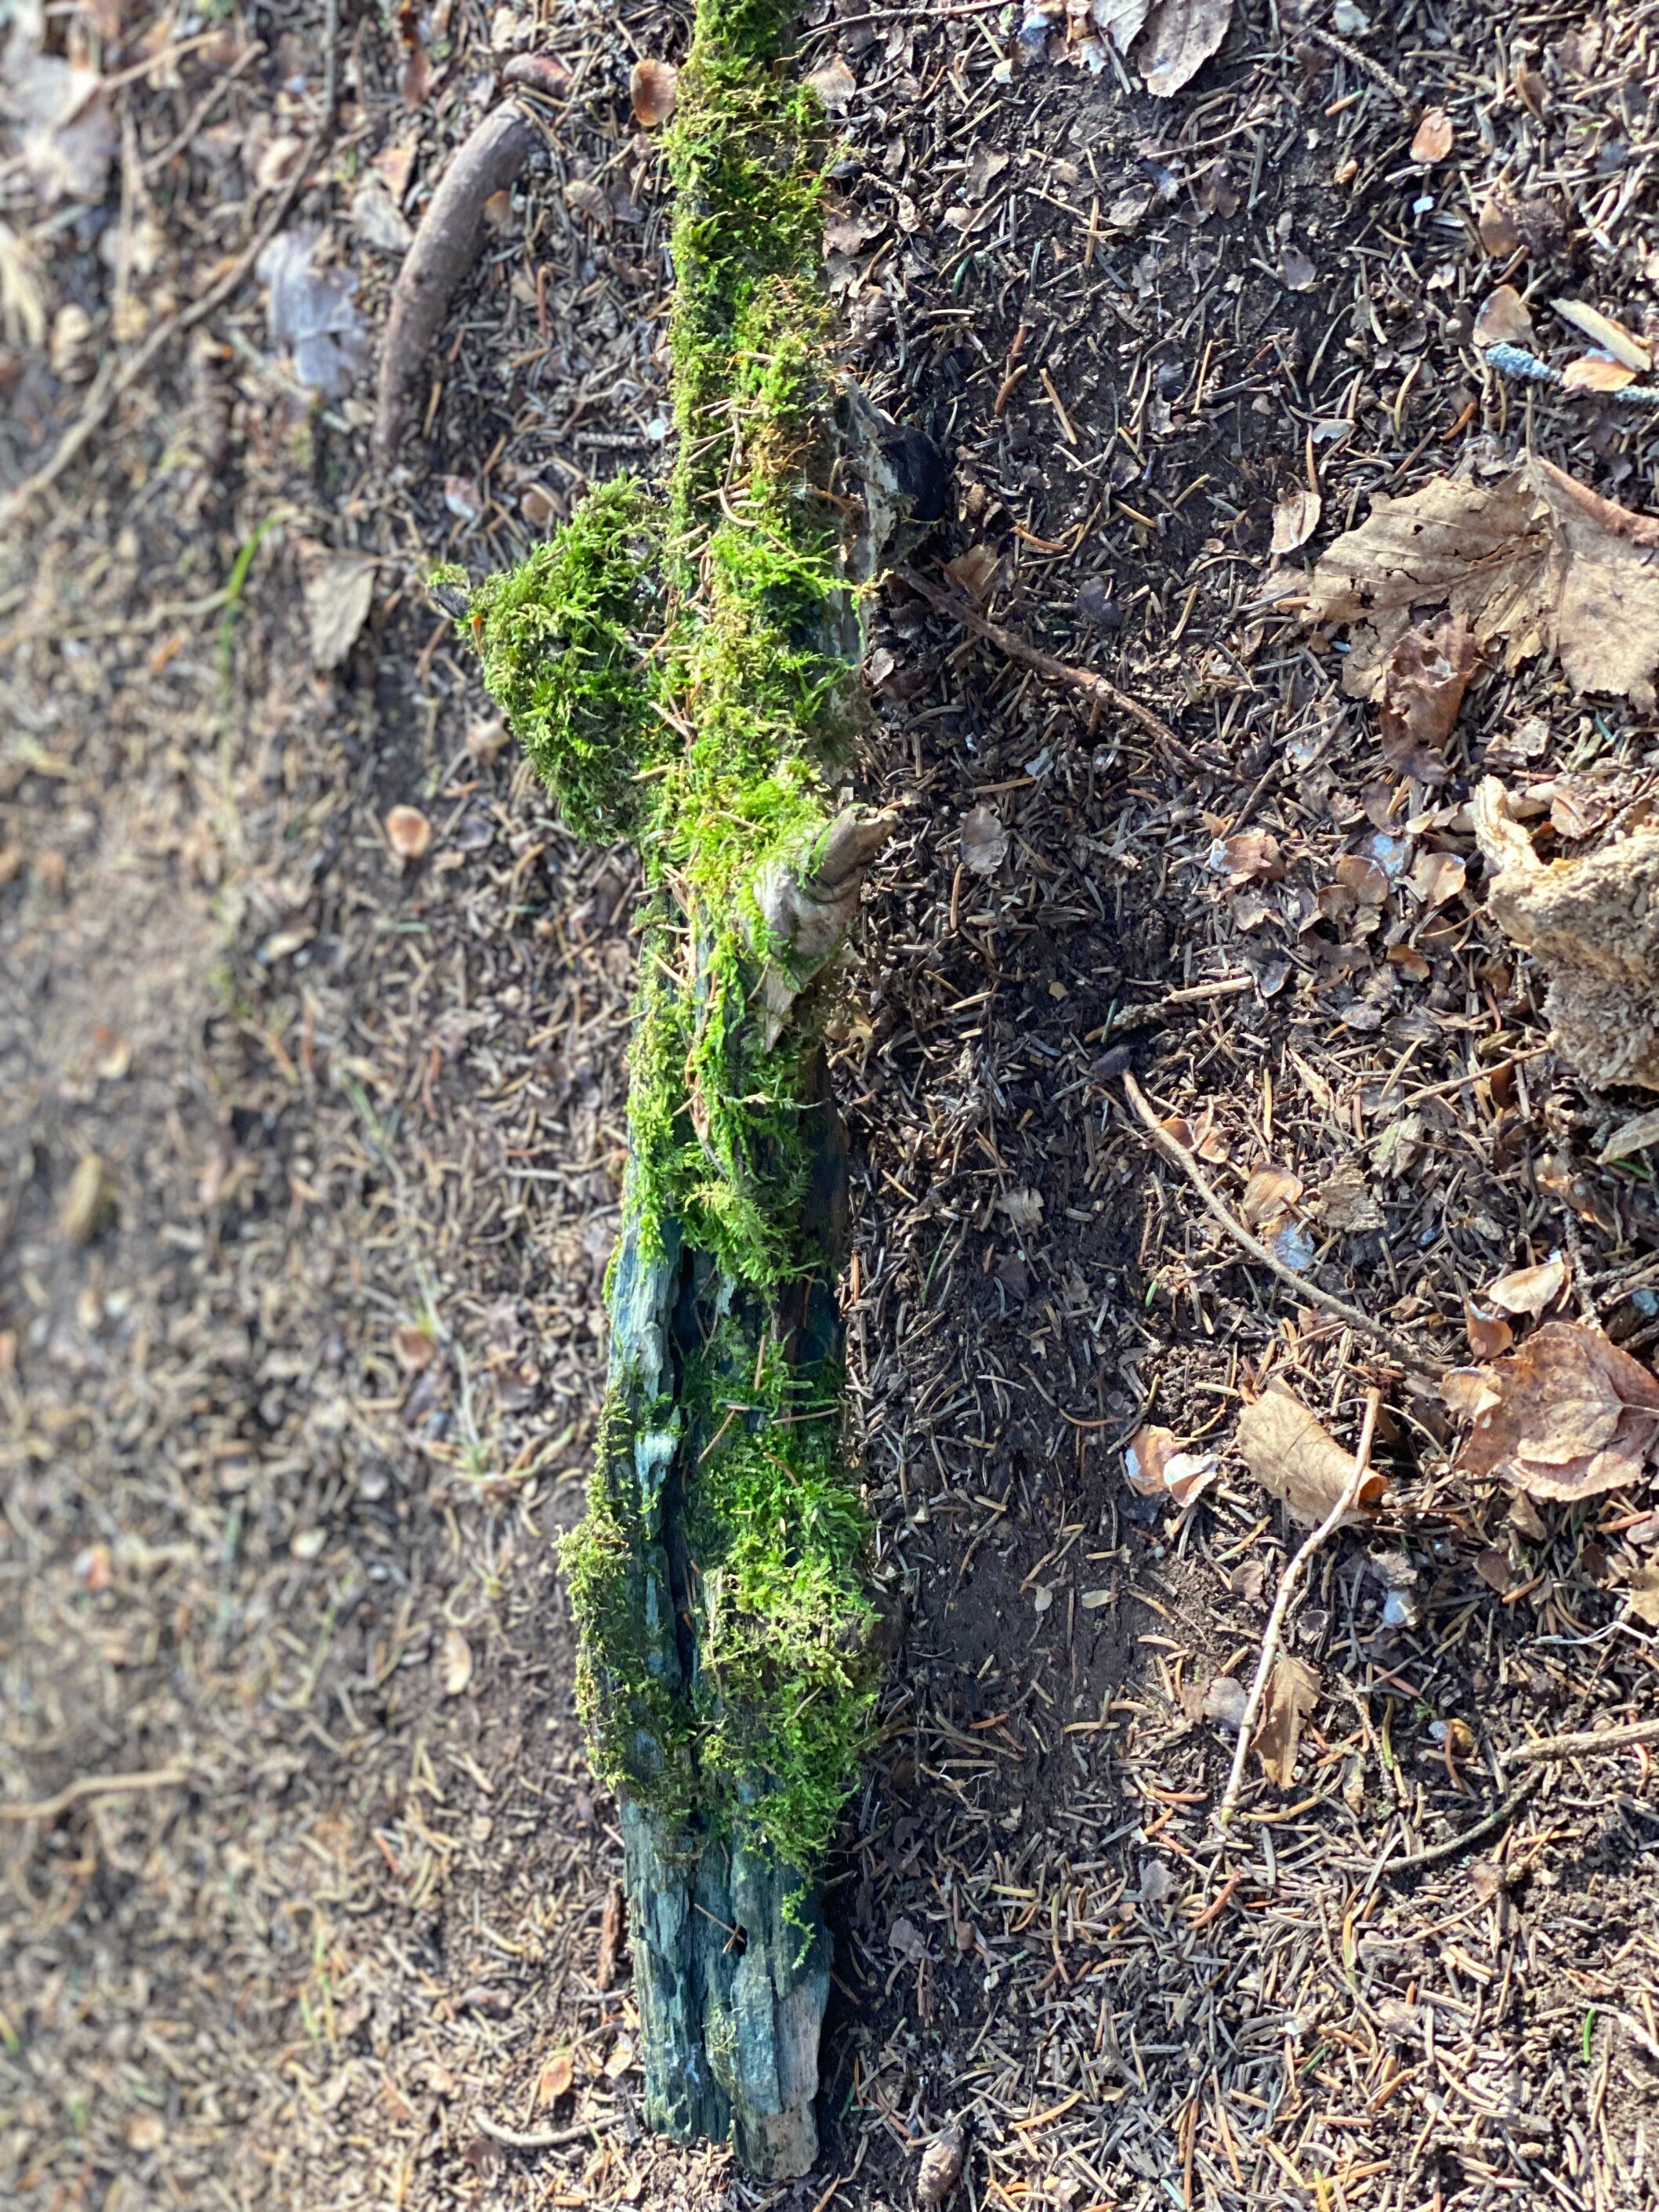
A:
289	1436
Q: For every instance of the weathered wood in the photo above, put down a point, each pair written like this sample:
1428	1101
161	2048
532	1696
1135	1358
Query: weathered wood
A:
684	673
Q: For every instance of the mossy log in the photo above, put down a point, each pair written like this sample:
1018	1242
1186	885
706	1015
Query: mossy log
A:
682	669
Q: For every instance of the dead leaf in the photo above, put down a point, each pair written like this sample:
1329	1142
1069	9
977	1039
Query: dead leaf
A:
412	1347
456	1667
1296	271
834	84
556	2080
1180	37
338	594
1155	1464
1489	1334
1252	856
377	218
1224	1701
1423	686
1643	1591
1432	140
654	87
1494	1570
1603	331
985	165
1499	235
1269	1193
941	2167
1437	876
975	572
67	137
591	201
1466	1394
1201	1137
87	1200
1345	1202
1536	562
1296	518
1292	1695
984	841
1121	21
610	1935
621	2060
1589	922
1529	1289
1296	1460
1576	813
408	832
1504	318
1566	1416
1639	1134
1594	372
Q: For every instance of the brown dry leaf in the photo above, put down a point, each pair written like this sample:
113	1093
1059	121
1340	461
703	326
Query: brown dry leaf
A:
654	87
338	592
1180	37
1536	562
621	2060
1296	518
1638	1134
1466	1394
1489	1334
1592	924
834	84
590	201
1250	857
1643	1589
941	2167
412	1347
1529	1289
1201	1137
1156	1465
1576	813
1292	1695
1594	372
1437	876
1503	319
1297	1459
1603	331
975	572
1494	1570
1432	140
455	1669
1566	1416
408	832
984	841
1269	1193
556	2080
1499	235
1423	686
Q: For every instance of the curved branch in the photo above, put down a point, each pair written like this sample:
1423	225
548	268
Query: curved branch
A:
445	246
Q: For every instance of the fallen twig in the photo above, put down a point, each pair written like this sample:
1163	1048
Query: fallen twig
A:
115	377
97	1785
1551	1748
533	2138
446	246
1059	671
1412	1356
1287	1582
1454	1846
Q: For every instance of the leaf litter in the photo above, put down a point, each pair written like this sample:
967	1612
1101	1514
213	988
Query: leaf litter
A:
1296	1460
1566	1416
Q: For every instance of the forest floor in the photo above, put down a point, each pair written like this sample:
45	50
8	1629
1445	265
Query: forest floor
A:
311	1149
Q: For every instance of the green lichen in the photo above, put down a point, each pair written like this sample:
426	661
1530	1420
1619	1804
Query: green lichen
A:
676	670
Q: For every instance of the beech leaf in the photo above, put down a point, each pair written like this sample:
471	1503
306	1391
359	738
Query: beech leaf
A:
1567	1415
1297	1459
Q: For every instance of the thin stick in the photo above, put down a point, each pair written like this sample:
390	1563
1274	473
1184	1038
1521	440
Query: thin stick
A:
1287	1582
1573	1747
533	2138
1361	60
1454	1846
1059	671
97	1785
1413	1356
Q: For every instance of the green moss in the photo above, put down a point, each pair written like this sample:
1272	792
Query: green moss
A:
676	673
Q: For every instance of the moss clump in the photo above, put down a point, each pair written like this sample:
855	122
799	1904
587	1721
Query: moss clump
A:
680	675
567	640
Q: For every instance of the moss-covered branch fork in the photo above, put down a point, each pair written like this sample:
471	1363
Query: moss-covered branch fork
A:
683	671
